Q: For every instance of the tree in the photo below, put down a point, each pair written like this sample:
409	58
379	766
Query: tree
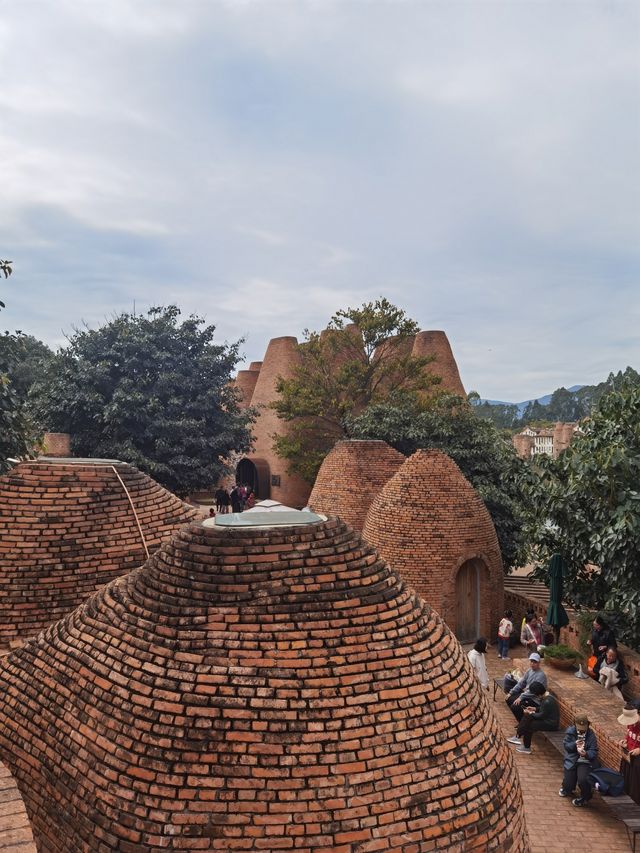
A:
31	358
149	390
586	506
362	358
485	456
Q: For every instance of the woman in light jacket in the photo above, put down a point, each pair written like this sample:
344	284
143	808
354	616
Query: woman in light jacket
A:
477	660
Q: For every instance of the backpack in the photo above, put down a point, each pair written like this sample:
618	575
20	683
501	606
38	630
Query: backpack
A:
610	783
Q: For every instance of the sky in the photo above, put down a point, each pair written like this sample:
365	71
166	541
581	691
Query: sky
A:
265	164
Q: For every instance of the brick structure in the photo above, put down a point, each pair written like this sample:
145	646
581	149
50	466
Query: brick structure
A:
532	441
437	344
66	528
263	469
57	444
429	523
274	688
351	476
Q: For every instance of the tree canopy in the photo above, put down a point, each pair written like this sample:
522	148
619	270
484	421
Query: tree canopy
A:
362	358
586	506
150	390
486	458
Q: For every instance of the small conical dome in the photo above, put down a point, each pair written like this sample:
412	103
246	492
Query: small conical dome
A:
430	524
67	527
351	476
258	689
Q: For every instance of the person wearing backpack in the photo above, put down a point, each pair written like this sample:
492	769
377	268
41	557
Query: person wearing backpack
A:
580	757
631	744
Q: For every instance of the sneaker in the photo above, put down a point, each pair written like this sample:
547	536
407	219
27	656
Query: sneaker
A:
515	740
563	793
579	801
524	750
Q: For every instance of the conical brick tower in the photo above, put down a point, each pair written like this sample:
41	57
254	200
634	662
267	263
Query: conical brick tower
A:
350	477
430	524
257	689
69	526
435	343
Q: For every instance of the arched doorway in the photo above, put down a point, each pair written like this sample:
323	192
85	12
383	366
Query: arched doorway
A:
254	473
467	614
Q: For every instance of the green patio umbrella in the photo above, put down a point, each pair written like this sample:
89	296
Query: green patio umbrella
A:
556	614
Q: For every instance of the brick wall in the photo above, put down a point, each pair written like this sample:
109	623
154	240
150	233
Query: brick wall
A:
68	528
262	689
57	444
427	522
351	476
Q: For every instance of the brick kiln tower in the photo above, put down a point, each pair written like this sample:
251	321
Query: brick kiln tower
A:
437	344
67	527
257	689
432	526
350	477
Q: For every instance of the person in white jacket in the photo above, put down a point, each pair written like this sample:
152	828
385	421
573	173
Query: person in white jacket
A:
477	660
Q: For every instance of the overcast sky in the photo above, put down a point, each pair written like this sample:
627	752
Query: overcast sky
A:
265	164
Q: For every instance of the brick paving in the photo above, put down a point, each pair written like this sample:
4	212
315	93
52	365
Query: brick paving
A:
15	832
555	826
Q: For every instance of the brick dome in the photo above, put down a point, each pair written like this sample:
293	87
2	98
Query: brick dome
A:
430	524
257	689
350	476
68	527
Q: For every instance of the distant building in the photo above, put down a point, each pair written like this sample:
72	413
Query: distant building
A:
550	441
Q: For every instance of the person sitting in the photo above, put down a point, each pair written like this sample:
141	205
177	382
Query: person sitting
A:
477	660
610	672
631	744
602	637
580	757
543	718
516	694
531	635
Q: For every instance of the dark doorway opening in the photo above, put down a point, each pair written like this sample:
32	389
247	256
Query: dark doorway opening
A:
468	601
254	474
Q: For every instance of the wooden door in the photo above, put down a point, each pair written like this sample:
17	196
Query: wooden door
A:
468	602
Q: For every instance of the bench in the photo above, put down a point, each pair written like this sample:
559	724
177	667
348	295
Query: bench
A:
498	683
623	807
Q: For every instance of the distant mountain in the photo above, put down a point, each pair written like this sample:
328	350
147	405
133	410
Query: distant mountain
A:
544	401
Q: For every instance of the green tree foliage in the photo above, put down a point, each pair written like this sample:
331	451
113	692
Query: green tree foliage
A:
503	415
586	506
17	436
149	390
363	358
31	358
485	456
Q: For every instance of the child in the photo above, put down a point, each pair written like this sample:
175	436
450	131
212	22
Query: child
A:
504	633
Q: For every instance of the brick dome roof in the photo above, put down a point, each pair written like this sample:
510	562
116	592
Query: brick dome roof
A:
350	476
68	527
426	522
257	689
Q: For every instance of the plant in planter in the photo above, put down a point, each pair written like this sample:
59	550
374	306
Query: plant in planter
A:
561	656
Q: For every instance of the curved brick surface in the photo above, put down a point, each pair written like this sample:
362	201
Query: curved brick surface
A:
437	344
426	522
279	360
245	382
67	528
261	689
351	476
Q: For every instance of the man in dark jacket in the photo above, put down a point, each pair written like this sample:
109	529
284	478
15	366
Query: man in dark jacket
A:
544	718
602	637
580	758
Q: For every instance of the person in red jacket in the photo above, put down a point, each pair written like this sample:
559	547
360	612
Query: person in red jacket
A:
631	743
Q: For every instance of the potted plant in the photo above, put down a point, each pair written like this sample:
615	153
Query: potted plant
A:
561	656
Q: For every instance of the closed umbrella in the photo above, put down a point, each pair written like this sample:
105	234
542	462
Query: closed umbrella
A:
556	614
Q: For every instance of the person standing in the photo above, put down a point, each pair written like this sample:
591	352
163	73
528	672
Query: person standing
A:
505	630
631	743
580	755
477	659
544	718
602	637
531	635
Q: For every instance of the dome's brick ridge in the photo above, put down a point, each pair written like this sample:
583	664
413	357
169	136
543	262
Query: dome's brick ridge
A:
276	689
68	528
427	521
350	477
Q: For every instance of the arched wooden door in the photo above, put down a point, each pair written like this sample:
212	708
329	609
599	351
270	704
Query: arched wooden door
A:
468	601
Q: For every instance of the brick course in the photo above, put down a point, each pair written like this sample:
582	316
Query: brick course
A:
67	528
351	476
427	522
257	689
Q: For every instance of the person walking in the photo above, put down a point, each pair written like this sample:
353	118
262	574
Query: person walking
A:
580	756
505	630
